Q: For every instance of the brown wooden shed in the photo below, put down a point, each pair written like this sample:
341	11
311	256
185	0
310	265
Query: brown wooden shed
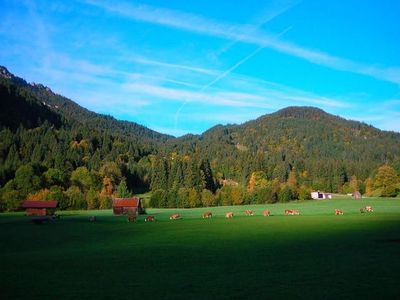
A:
124	206
39	208
356	195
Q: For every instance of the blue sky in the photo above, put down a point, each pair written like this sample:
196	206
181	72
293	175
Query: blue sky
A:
184	66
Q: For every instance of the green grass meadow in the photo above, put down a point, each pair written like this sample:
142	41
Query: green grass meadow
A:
316	255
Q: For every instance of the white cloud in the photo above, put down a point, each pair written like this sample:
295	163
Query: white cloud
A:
245	33
265	97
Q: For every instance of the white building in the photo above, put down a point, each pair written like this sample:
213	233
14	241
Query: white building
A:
320	195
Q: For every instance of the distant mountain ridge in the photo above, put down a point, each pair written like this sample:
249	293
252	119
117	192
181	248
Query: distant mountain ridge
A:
304	145
69	110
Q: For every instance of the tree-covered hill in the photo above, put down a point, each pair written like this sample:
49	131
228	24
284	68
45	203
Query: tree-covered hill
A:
56	106
52	148
324	150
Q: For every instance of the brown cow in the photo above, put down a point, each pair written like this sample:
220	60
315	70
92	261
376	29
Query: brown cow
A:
131	218
292	212
266	213
149	219
229	215
207	215
338	212
174	217
366	209
248	212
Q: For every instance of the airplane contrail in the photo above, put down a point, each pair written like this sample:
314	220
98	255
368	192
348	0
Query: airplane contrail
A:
224	74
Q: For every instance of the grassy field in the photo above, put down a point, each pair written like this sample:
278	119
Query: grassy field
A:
312	256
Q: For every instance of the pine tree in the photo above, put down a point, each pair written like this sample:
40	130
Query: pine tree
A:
122	190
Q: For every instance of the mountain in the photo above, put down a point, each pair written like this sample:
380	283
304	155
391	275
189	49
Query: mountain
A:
18	97
47	131
325	149
52	148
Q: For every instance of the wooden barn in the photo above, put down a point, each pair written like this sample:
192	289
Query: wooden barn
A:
124	206
39	208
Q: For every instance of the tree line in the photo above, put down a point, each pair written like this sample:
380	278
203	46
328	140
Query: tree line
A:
58	150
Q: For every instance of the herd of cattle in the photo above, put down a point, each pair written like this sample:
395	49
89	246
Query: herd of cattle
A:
248	212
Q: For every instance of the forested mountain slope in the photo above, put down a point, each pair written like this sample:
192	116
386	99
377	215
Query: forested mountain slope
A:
52	148
326	149
56	106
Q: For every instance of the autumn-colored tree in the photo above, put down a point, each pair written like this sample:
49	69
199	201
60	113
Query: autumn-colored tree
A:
40	195
354	184
292	180
105	202
386	180
385	177
304	192
207	198
237	195
257	179
108	187
112	171
369	186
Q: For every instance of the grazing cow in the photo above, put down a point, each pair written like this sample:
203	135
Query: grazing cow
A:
229	215
248	212
366	209
131	218
266	213
92	219
149	219
292	212
207	215
174	217
338	212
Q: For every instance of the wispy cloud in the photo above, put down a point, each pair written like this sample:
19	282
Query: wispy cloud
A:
217	98
272	10
150	62
245	33
272	98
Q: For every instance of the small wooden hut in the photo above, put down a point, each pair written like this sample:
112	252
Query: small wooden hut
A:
39	208
356	195
125	206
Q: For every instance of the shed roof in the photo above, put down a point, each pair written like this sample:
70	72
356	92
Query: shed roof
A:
126	202
39	204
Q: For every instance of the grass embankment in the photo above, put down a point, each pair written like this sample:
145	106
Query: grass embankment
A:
311	256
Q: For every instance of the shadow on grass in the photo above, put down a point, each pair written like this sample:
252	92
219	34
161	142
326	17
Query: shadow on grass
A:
243	258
